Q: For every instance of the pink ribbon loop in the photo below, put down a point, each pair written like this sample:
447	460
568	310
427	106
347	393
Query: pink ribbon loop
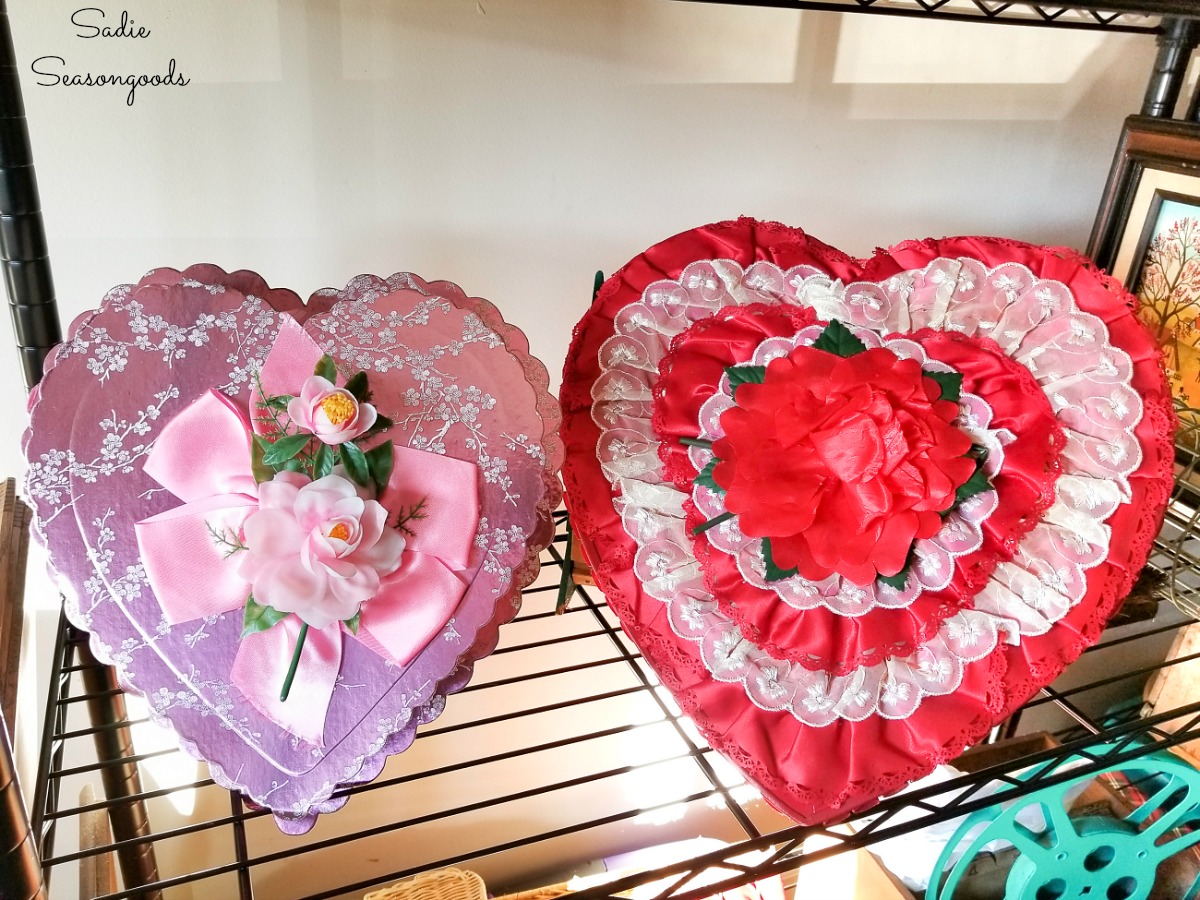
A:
204	451
180	553
191	557
291	360
413	606
439	481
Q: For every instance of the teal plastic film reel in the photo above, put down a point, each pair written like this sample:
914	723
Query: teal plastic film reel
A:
1082	858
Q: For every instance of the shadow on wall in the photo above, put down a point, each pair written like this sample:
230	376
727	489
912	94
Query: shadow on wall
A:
702	107
963	70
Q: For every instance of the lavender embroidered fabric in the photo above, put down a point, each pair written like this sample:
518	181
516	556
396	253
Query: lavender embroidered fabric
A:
444	367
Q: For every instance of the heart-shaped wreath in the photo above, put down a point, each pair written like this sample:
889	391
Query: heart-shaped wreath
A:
294	528
855	513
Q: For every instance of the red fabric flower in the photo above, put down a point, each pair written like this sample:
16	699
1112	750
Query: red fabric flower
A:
841	462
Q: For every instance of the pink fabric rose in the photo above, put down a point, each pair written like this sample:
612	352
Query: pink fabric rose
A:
316	548
330	412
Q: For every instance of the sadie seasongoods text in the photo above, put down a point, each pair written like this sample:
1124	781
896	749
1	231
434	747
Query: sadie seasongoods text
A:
92	22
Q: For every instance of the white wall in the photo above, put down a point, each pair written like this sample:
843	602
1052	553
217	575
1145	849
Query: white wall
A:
515	146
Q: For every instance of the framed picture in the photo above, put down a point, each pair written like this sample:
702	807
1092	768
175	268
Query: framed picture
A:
1147	235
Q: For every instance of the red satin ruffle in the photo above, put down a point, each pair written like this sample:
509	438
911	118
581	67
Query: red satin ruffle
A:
823	774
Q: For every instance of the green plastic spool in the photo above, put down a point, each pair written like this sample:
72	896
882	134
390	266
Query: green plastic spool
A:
1089	858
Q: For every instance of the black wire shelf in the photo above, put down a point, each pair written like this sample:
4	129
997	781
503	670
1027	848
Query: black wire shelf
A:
1139	16
561	749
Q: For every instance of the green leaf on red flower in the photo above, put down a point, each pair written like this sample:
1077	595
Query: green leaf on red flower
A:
259	618
739	375
352	624
949	382
355	462
326	369
839	340
323	461
357	386
379	463
261	471
774	573
705	477
897	581
280	451
976	484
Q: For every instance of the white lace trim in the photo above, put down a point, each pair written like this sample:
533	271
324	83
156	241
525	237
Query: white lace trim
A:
1034	320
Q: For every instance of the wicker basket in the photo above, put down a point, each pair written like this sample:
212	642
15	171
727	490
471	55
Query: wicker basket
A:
550	892
444	884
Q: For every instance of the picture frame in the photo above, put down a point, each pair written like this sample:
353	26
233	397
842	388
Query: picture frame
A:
1147	236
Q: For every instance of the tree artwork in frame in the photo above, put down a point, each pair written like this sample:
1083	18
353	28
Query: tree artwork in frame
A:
1164	274
1147	235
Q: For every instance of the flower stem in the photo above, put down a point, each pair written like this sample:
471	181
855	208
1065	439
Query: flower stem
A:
291	673
696	442
712	523
565	587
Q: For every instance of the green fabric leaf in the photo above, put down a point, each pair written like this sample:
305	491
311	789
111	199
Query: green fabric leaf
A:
355	462
379	463
326	369
357	386
324	461
898	581
352	624
259	618
382	423
279	452
261	471
950	383
279	402
774	573
839	340
976	484
739	375
295	464
705	478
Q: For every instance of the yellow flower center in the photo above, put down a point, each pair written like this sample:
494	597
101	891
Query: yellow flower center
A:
338	408
339	531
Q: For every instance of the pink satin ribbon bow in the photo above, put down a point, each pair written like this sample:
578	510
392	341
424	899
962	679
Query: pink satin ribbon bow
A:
202	457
